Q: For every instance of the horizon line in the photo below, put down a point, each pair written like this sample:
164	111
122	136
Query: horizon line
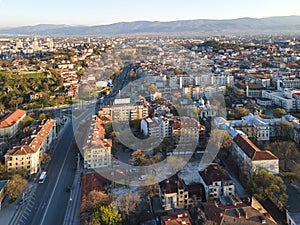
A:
132	21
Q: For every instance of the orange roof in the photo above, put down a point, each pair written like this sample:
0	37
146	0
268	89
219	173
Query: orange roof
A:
12	118
177	218
251	150
97	135
36	141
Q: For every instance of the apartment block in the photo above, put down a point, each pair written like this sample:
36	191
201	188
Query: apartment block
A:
97	149
9	125
27	157
217	183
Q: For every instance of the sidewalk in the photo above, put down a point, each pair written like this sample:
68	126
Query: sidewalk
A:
72	212
7	212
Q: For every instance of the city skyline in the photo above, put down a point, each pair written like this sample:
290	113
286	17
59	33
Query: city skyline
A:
21	13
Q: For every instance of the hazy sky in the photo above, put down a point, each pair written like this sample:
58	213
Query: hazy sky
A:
92	12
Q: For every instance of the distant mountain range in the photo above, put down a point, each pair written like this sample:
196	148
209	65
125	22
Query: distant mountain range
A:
289	24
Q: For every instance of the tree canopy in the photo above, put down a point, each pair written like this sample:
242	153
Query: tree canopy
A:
265	185
279	112
15	186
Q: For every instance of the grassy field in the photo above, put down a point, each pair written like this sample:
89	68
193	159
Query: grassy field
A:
34	75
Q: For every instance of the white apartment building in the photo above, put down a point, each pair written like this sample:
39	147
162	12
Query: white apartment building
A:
282	99
156	127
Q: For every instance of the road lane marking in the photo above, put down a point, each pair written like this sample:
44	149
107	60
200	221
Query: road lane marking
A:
55	186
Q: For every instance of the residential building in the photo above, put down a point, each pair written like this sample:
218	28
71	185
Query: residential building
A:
251	158
177	218
28	156
254	126
97	149
125	112
250	90
156	127
217	183
9	125
174	193
241	213
186	134
284	99
258	79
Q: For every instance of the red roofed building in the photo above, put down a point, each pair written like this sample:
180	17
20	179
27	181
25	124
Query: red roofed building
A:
27	157
239	213
9	125
97	149
177	218
250	157
216	182
174	193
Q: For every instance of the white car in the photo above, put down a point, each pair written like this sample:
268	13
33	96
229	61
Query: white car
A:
143	177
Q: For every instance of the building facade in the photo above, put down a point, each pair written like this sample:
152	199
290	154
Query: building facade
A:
97	149
9	125
216	182
27	157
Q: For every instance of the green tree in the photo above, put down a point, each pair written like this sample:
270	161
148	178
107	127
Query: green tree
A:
290	176
152	88
109	215
177	71
138	157
227	141
242	111
3	173
296	170
2	108
46	157
286	129
15	186
265	185
42	116
285	151
279	112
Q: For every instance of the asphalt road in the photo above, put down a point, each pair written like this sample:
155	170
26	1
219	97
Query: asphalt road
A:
51	196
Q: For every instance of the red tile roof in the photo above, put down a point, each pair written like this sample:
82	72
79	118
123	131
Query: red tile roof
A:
177	218
12	118
251	150
35	143
214	173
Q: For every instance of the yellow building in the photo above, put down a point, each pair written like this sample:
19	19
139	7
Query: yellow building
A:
27	157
